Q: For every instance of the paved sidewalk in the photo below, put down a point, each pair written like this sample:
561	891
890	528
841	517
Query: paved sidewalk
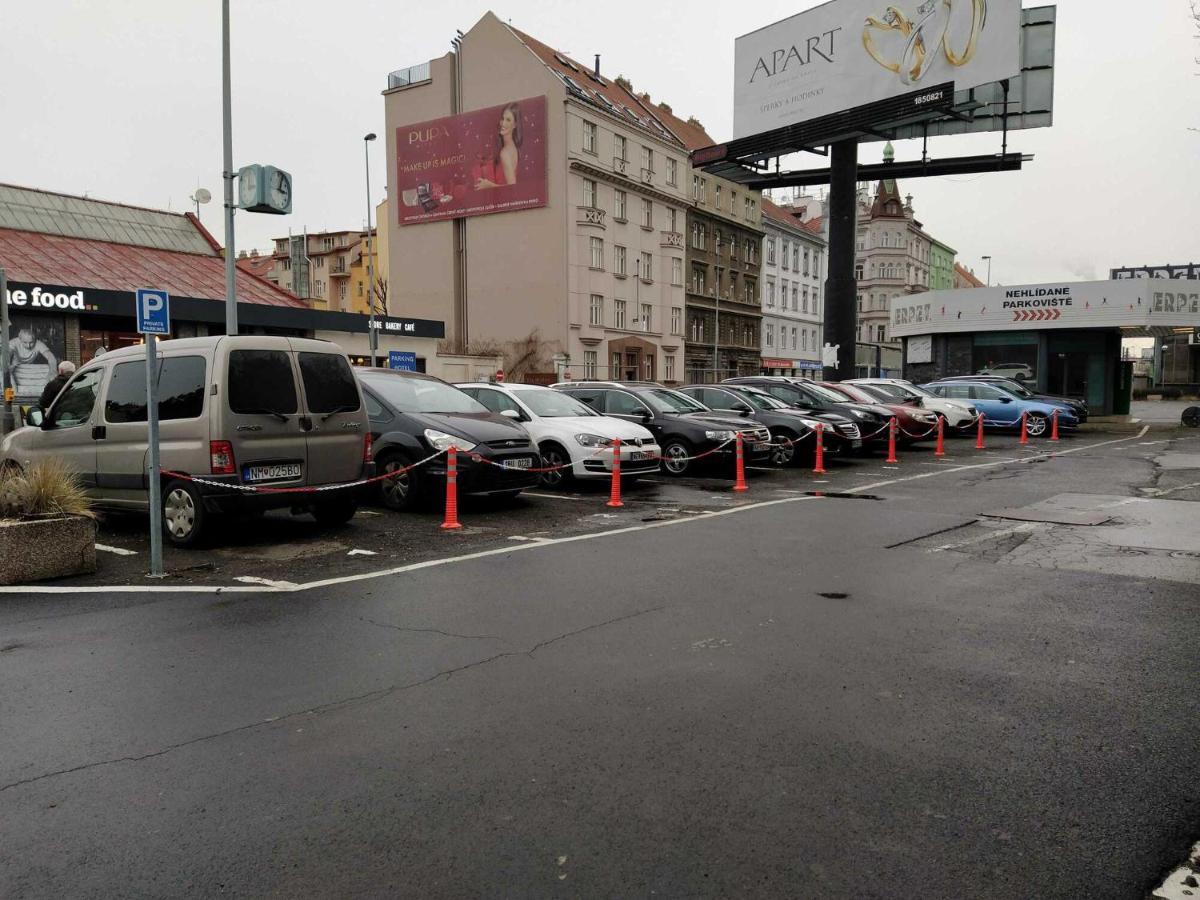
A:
1155	411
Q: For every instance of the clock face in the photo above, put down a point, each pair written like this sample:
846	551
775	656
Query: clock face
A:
281	191
248	187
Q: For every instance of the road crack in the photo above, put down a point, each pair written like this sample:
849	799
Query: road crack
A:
452	634
368	697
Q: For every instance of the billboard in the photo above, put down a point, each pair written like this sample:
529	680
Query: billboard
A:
490	160
847	53
1188	270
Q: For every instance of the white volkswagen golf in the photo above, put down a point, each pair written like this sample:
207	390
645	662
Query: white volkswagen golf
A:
570	434
957	413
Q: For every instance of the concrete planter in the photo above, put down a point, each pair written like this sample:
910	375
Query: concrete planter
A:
37	549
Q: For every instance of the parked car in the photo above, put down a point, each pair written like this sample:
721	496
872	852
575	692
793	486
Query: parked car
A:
810	397
236	411
414	416
1002	409
956	413
793	432
1018	371
1015	387
569	433
683	427
913	423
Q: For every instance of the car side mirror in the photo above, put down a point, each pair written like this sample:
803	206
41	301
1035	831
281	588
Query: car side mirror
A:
35	417
742	408
511	414
1006	399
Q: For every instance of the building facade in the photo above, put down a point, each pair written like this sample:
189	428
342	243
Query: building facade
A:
941	266
793	273
965	278
589	282
317	267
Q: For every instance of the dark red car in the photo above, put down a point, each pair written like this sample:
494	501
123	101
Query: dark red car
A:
915	424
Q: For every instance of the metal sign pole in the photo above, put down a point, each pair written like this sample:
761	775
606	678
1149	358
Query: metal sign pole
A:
6	415
156	560
231	315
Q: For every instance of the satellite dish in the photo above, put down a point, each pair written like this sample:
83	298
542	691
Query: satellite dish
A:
202	195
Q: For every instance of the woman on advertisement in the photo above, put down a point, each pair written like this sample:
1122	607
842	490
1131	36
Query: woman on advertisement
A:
507	156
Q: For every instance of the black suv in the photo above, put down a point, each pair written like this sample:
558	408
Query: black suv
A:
414	416
793	431
684	428
813	398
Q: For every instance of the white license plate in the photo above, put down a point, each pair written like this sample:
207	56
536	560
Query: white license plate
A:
278	472
636	455
524	462
758	447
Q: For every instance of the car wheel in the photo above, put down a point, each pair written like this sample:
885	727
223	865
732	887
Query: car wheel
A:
552	456
335	511
1036	424
183	514
676	453
401	492
785	454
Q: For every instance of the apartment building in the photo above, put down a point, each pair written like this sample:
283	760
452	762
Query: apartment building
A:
557	235
317	267
793	272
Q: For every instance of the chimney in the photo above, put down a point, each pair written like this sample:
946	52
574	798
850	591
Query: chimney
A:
597	65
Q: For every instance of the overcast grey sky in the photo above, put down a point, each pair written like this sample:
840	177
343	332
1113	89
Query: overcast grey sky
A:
121	99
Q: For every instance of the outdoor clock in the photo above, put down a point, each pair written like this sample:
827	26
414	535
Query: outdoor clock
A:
264	189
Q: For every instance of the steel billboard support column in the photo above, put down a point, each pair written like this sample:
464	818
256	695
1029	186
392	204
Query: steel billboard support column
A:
6	420
231	317
841	310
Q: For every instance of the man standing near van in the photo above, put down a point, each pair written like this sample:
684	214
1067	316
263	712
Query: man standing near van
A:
66	369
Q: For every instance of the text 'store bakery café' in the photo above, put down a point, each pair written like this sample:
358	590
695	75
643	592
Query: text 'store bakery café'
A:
1062	338
73	265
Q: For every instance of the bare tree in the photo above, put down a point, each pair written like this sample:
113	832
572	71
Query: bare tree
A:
381	295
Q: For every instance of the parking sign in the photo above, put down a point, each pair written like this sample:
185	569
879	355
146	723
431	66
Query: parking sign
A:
401	360
153	311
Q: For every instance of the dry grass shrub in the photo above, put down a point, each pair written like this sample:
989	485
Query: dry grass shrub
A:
48	488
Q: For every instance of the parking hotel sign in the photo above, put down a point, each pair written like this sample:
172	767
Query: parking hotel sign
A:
153	311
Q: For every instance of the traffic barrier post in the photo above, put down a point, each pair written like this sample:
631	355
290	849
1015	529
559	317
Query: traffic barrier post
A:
452	489
891	457
819	467
1054	426
614	496
979	434
940	450
739	482
1024	428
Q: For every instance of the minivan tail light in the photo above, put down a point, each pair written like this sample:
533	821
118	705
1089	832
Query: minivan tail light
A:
367	447
221	454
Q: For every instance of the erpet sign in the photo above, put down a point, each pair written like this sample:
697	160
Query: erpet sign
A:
847	53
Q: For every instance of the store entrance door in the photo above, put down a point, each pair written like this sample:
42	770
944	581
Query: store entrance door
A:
1068	375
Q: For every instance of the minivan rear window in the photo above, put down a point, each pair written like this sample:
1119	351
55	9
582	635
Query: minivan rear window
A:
261	382
329	384
180	390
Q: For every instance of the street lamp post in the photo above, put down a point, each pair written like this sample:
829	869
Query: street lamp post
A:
989	271
231	317
373	337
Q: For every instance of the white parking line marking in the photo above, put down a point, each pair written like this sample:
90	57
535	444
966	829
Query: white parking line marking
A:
267	582
257	585
119	551
554	496
357	552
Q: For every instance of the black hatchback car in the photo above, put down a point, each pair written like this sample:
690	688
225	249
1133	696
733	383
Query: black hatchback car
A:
814	398
685	428
414	416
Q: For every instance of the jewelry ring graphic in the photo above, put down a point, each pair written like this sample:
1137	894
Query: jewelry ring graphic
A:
929	34
978	21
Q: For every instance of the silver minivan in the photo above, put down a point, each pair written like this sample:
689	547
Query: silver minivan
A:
250	411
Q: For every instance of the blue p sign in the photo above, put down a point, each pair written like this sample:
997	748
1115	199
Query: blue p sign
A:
153	311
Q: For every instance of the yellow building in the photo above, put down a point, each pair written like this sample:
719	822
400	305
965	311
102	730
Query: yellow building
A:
384	304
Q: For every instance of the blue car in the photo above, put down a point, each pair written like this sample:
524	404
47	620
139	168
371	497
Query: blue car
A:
1002	409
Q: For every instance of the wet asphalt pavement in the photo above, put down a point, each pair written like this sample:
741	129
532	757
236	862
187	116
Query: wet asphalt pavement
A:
883	694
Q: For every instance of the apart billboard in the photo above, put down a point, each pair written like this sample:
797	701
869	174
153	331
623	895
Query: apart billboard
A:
490	160
848	53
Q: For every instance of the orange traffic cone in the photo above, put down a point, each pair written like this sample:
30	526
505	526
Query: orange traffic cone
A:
1024	428
614	496
819	467
979	433
941	440
1054	426
891	457
739	482
452	489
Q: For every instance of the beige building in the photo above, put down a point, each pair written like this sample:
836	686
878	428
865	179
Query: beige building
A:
330	255
592	283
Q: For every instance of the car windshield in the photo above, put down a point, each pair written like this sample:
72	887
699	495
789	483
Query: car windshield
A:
422	395
880	393
551	404
760	401
1014	387
667	401
916	390
830	394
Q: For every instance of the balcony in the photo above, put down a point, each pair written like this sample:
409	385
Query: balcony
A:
620	166
672	239
591	216
339	268
648	176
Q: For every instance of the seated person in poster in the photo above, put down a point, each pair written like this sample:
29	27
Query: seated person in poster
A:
30	363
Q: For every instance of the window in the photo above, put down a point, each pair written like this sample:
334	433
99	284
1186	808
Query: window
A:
817	263
696	188
646	271
858	272
619	260
647	213
342	290
697	330
805	260
589	363
860	308
589	137
620	403
672	171
676	320
319	288
793	338
589	192
619	204
770	293
717	204
733	203
496	401
329	384
672	219
787	249
804	340
261	381
677	272
770	335
795	257
647	317
614	370
749	290
770	251
880	331
795	298
699	279
670	368
804	298
647	159
749	208
181	386
618	314
620	147
597	248
596	310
